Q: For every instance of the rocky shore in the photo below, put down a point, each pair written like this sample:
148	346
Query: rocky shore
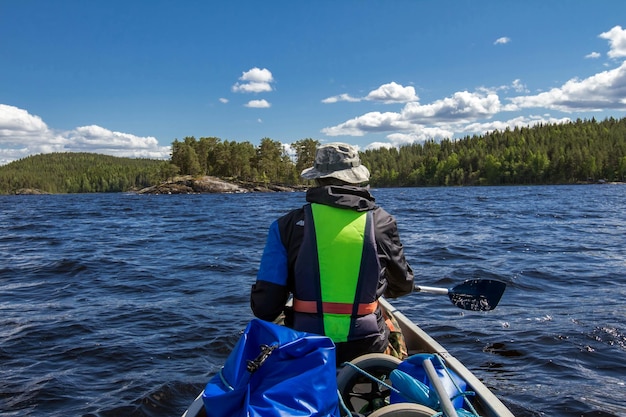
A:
206	184
29	191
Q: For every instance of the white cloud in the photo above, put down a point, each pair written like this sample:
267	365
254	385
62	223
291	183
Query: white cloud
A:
341	97
17	122
393	93
100	140
96	137
501	41
223	100
461	107
617	41
521	121
518	86
23	134
12	154
466	112
252	87
291	152
255	80
605	90
469	113
258	104
378	145
387	93
368	123
593	55
420	134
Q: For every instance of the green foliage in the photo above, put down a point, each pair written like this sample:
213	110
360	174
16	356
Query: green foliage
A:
305	153
81	173
267	163
574	152
545	154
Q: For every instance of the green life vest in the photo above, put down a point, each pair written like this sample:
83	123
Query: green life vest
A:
340	238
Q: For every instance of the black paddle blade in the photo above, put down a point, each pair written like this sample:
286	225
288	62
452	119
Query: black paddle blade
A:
477	294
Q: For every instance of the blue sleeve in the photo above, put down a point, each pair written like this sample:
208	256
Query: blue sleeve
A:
273	266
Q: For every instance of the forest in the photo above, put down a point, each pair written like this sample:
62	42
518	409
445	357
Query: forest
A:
576	152
579	151
60	173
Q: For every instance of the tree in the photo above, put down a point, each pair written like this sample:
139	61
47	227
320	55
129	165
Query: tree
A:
269	159
79	173
206	151
241	156
544	153
184	156
492	170
305	153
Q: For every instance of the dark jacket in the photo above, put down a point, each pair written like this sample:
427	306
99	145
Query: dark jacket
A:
275	279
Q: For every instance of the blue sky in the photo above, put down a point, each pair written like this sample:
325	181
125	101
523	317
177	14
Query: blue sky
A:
126	78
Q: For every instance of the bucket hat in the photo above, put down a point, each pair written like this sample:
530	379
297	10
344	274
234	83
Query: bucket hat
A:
340	161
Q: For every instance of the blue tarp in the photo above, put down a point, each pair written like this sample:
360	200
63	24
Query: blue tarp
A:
297	377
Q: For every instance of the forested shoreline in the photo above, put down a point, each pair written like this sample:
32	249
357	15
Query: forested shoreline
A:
579	151
575	152
80	172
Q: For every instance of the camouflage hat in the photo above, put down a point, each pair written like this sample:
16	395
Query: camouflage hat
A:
337	160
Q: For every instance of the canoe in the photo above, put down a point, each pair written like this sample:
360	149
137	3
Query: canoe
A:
417	340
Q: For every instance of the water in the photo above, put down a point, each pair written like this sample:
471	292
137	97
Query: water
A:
125	305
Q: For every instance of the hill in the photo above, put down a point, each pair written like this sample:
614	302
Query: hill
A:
580	151
79	173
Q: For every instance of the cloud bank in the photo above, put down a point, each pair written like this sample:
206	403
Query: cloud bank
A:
470	112
23	134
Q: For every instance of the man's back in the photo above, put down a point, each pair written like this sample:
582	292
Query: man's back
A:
336	256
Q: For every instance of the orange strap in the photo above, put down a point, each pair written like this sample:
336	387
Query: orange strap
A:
302	306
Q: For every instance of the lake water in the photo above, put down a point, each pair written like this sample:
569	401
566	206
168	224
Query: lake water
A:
125	305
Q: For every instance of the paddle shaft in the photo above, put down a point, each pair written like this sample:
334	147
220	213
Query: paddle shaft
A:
432	290
444	399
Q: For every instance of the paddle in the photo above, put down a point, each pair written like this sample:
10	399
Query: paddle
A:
444	400
473	294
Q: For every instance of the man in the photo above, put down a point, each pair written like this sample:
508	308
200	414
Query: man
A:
336	255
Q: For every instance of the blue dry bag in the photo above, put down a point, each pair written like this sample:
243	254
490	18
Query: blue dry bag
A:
414	385
275	371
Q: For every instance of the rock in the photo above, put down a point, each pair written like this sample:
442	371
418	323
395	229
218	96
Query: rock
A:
206	184
167	188
29	191
215	185
190	185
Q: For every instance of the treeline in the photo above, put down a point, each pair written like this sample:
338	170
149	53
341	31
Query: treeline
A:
80	173
579	151
267	163
544	154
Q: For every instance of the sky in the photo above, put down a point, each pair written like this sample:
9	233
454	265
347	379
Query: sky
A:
128	77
